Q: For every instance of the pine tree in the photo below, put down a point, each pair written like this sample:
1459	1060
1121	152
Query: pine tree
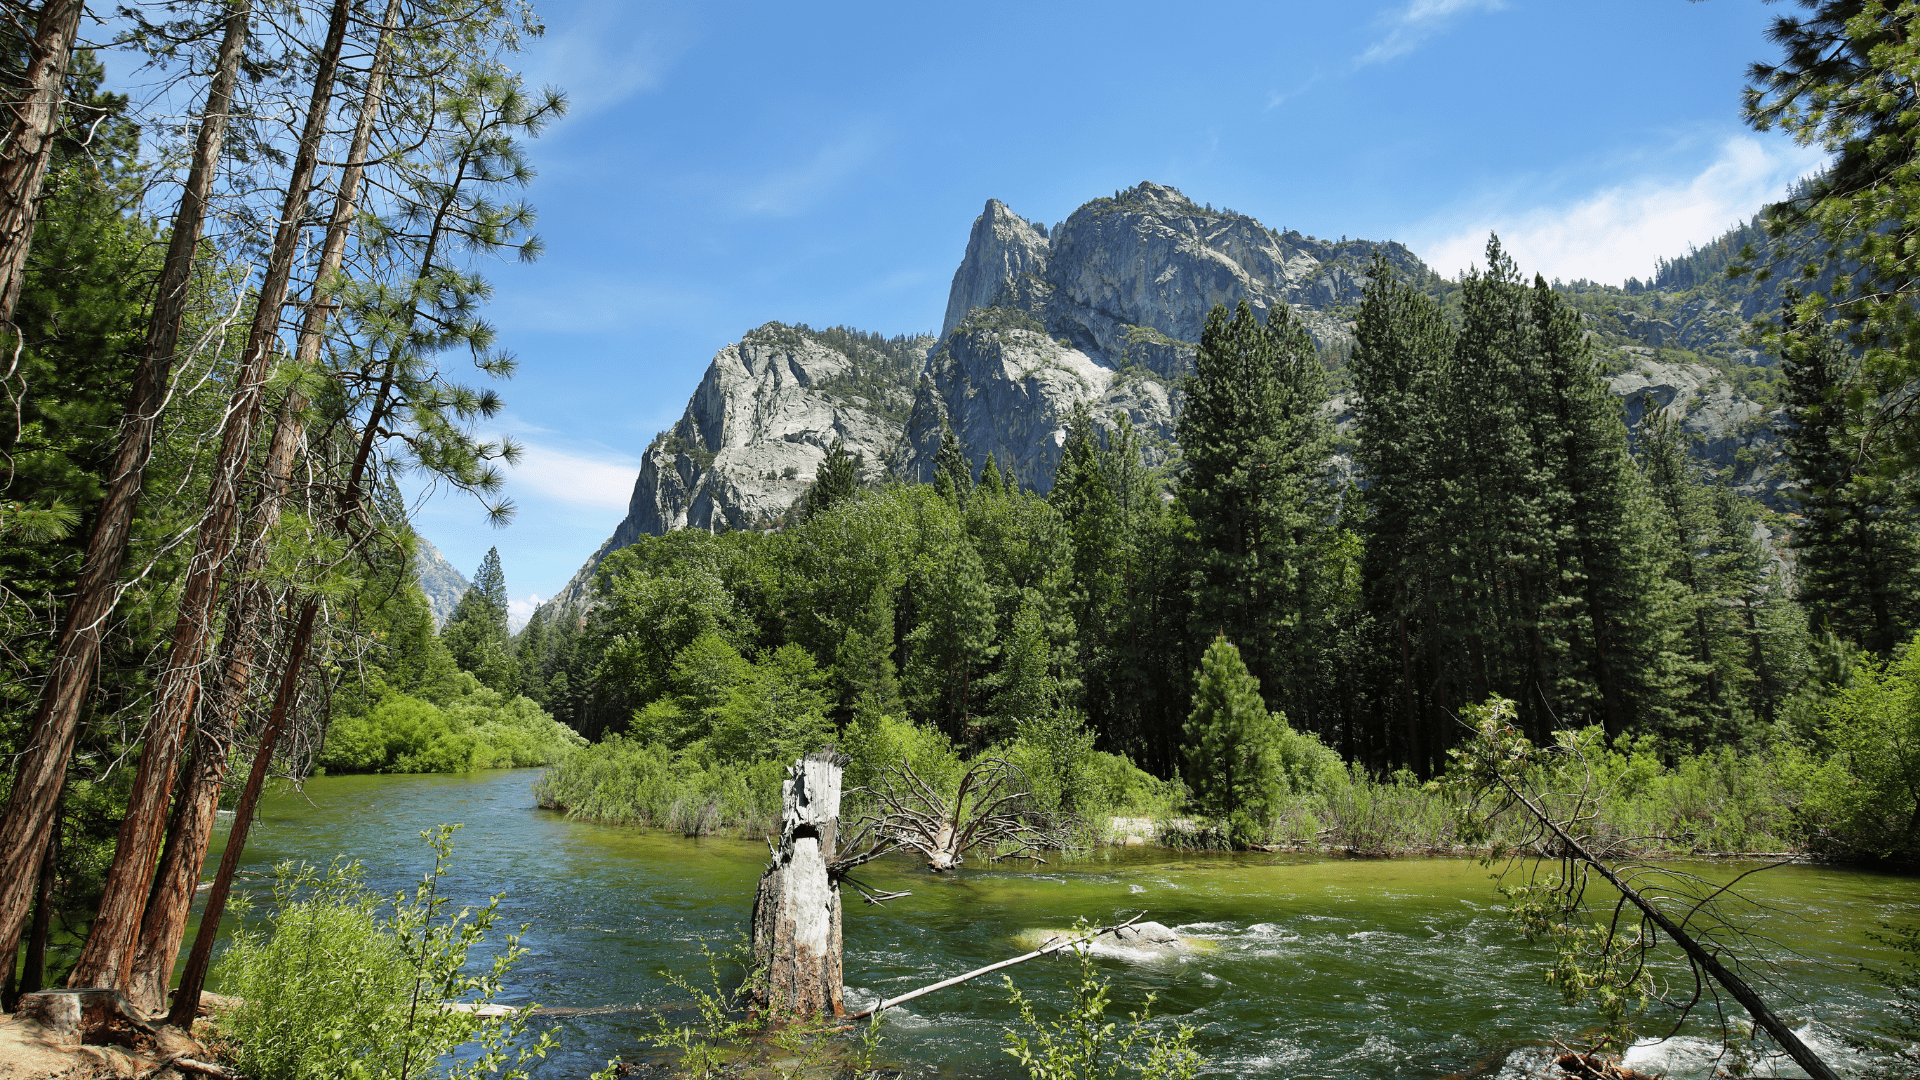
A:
951	645
1771	626
1026	687
863	667
1402	447
1232	746
952	476
530	652
1606	547
1687	526
1500	506
990	483
1258	492
1859	550
1118	525
834	482
476	632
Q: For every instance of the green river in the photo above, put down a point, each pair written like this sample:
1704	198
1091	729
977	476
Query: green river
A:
1317	966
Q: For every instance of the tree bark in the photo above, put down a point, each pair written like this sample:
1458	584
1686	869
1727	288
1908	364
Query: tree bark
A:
189	832
165	920
796	911
33	974
186	1001
107	958
28	821
36	117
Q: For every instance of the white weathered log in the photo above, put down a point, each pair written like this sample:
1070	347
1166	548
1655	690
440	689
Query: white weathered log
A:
477	1009
796	910
205	1068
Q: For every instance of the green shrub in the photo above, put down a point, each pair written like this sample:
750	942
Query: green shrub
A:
874	744
1865	797
727	709
474	728
628	782
330	987
1084	1045
1115	785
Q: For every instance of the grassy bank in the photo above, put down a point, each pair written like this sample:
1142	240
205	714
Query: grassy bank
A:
1713	803
700	790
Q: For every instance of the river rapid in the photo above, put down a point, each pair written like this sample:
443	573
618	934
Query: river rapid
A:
1308	966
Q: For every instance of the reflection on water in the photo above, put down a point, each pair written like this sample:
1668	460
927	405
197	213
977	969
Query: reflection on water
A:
1312	966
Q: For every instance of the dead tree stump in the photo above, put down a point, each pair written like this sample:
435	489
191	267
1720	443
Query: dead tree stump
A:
796	911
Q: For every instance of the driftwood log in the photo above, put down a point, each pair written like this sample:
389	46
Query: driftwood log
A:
796	911
1053	945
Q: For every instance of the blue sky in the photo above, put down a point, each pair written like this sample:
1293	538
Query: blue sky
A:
726	164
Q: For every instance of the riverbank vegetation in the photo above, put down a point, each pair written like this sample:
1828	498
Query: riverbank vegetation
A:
336	981
436	702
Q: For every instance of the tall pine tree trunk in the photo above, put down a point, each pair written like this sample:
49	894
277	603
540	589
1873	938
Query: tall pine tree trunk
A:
187	841
186	1003
189	832
29	818
108	956
30	142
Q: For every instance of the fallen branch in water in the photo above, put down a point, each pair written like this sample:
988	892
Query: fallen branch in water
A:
1050	947
1499	762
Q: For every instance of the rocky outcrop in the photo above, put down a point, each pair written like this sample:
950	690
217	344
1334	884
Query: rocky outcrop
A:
1729	430
1106	309
1003	248
442	584
758	426
1009	392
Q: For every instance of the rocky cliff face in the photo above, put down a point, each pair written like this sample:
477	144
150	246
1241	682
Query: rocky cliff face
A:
1731	433
1104	309
758	426
1107	308
442	584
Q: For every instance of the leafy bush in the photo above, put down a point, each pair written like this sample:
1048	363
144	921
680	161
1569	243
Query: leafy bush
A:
1864	799
876	743
475	728
1083	1045
628	782
331	988
723	708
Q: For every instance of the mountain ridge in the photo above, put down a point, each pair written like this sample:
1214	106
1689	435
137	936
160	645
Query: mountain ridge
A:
1106	308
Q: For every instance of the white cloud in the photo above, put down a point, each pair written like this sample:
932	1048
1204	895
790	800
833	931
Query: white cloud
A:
549	473
519	611
791	192
601	54
1617	232
1276	98
1408	27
